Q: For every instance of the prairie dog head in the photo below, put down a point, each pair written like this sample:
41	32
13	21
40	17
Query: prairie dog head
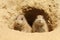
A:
21	24
40	18
21	20
39	21
39	24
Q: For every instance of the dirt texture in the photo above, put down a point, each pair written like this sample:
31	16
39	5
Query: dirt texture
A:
10	9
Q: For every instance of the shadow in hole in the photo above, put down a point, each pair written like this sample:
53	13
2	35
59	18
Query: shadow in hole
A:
31	14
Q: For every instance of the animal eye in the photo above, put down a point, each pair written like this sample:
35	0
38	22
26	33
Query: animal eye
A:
21	18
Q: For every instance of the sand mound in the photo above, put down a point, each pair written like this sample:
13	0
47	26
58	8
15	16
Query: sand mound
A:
10	9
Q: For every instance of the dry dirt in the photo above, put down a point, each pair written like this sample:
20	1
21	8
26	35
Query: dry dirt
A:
10	9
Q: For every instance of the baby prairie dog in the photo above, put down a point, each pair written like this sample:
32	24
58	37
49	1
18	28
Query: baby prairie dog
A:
22	25
39	25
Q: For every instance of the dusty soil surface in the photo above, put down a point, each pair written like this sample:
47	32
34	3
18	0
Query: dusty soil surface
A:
10	9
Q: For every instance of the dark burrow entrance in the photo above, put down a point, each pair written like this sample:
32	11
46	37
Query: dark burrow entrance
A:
31	14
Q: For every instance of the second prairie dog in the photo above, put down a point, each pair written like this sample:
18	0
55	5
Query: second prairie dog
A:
39	25
22	24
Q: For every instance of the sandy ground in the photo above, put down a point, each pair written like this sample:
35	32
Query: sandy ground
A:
10	14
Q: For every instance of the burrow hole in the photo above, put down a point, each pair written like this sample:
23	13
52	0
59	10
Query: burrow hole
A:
31	13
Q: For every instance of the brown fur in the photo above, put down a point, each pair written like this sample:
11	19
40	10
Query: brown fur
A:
39	25
22	25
